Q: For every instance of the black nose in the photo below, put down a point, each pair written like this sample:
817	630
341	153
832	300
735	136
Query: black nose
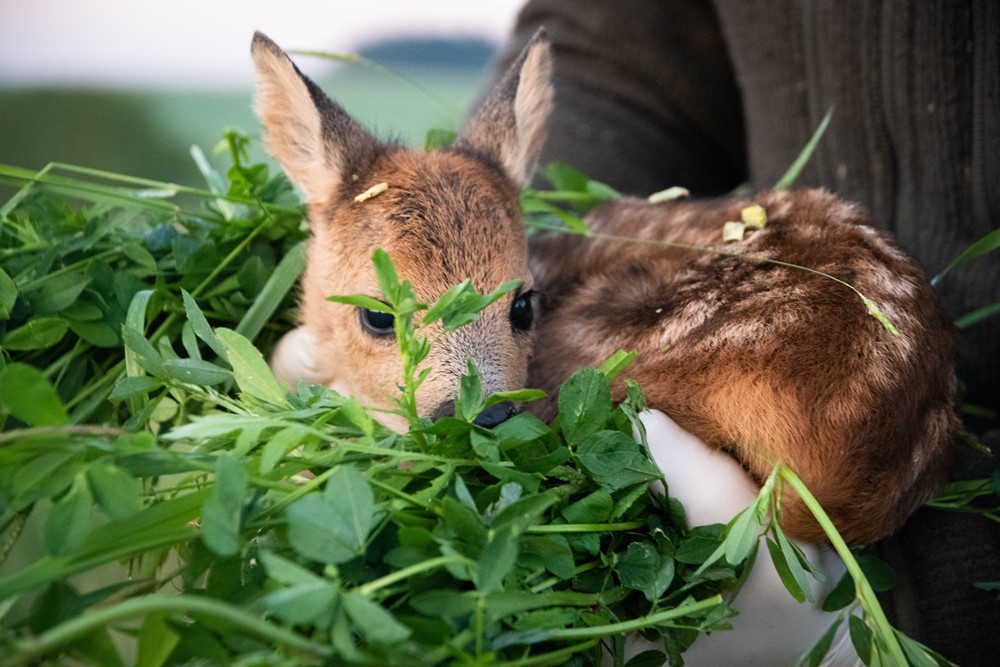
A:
496	414
488	418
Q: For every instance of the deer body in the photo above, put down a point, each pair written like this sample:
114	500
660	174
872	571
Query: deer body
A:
769	362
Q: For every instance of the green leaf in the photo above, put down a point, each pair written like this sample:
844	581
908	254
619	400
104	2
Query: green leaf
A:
98	334
861	637
57	293
69	521
584	404
881	577
515	396
595	507
139	353
38	334
362	301
117	492
564	177
222	514
700	544
789	177
664	577
438	139
789	570
648	658
157	640
983	246
551	552
496	560
277	287
142	353
333	527
602	191
523	513
741	535
842	594
252	373
919	655
977	316
373	622
26	394
464	522
521	429
814	658
195	371
130	386
638	568
469	402
462	304
305	603
280	444
286	572
8	295
615	461
388	279
138	254
199	324
616	364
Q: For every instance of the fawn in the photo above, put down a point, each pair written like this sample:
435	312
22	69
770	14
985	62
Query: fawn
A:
766	361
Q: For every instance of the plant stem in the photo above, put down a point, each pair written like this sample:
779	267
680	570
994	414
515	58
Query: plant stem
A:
26	651
585	527
62	430
862	588
552	657
407	572
652	620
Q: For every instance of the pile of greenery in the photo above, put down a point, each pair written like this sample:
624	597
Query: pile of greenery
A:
233	520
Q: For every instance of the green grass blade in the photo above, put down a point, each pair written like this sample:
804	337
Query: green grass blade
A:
978	315
866	595
790	176
985	245
275	289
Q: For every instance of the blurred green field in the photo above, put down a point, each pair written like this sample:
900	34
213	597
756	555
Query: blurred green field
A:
149	134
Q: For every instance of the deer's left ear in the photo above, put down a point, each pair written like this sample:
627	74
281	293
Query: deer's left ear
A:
316	142
509	125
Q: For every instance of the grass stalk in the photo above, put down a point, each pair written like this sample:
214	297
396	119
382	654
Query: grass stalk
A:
28	651
884	631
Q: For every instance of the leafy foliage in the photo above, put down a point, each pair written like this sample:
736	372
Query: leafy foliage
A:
270	525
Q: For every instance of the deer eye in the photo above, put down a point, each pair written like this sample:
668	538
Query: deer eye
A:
377	324
522	311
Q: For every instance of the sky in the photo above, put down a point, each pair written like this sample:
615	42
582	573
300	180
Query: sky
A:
204	44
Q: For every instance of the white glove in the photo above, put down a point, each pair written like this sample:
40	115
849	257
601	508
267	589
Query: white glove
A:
772	628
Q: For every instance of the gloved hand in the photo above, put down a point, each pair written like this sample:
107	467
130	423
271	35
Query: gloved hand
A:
772	628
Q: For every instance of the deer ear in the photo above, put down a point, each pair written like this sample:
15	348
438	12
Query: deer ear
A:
315	141
509	125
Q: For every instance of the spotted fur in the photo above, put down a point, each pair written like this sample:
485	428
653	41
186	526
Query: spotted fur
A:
770	362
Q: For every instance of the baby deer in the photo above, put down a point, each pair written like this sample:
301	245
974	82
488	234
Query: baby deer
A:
770	362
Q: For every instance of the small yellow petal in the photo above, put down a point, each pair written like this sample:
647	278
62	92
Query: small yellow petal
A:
754	216
670	194
733	231
373	191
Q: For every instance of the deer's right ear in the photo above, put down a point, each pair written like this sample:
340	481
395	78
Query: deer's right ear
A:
509	125
315	141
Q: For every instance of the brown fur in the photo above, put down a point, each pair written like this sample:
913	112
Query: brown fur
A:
769	362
